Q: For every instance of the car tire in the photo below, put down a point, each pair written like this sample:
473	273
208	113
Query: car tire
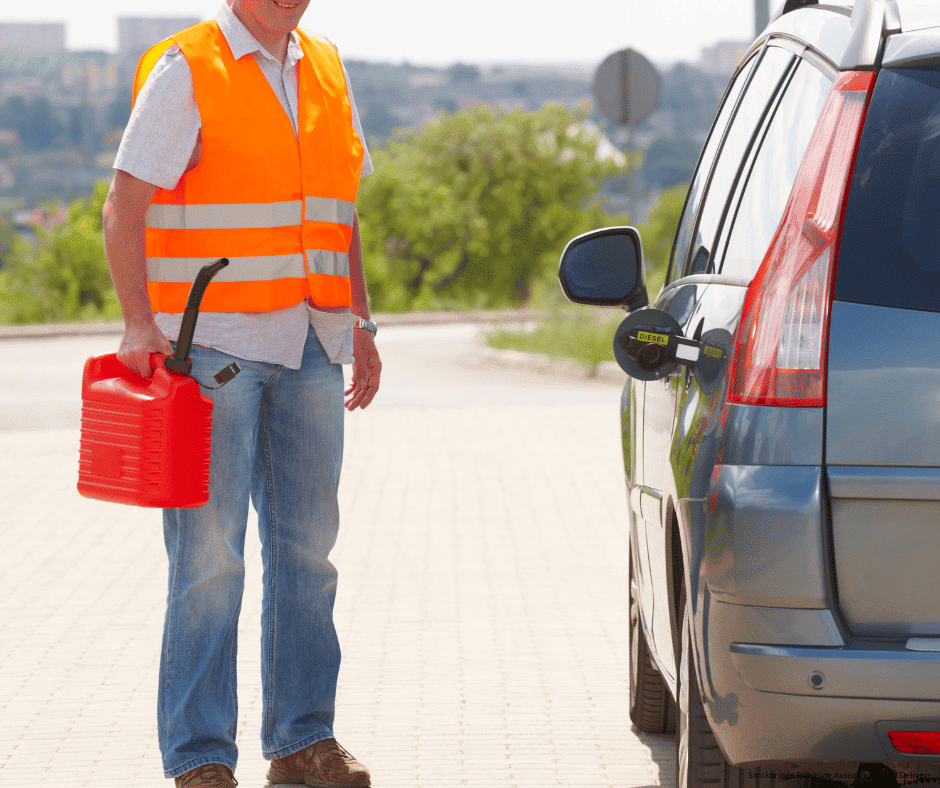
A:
700	763
652	708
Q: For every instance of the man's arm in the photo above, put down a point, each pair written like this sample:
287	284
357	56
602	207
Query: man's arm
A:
124	238
367	367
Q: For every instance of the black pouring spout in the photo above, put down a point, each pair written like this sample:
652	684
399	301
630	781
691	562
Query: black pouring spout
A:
179	363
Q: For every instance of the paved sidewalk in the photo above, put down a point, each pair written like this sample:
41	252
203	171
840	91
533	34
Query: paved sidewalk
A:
481	605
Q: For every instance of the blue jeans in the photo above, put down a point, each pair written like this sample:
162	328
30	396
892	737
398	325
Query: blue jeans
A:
277	436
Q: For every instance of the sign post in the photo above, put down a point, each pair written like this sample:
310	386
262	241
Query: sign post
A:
626	89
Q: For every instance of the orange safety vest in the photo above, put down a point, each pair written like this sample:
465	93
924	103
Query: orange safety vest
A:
279	205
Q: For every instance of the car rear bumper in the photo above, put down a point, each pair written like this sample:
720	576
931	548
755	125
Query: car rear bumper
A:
888	671
805	702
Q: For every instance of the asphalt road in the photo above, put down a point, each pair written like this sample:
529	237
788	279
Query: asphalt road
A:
482	594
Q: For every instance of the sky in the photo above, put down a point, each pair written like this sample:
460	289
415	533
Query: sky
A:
440	32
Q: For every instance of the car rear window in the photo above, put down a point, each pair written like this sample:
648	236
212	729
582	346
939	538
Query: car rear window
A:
890	250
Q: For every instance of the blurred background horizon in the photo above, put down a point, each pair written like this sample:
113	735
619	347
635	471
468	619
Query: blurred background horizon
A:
429	32
490	152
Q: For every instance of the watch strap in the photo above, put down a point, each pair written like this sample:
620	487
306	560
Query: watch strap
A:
367	325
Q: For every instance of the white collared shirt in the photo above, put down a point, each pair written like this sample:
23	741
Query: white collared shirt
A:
156	147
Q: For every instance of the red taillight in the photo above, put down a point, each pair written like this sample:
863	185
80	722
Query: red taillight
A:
780	349
916	742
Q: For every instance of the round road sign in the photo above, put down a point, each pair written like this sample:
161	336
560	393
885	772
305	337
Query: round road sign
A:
626	87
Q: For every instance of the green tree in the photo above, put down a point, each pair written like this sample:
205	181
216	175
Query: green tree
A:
658	233
476	208
692	97
460	73
7	239
37	124
63	274
587	334
670	161
119	110
377	122
81	127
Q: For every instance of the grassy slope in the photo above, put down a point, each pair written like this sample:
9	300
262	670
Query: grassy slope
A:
583	333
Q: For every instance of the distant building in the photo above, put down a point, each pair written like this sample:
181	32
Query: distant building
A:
88	73
137	33
91	77
723	57
33	36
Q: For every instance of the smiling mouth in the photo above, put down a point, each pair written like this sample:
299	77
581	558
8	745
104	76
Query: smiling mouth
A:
285	5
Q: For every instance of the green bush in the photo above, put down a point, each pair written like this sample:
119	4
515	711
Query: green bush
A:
62	275
586	333
658	233
471	212
475	209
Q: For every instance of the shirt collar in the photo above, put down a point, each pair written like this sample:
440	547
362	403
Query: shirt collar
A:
242	42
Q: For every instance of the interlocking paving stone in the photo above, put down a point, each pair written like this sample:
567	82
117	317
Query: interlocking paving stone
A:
481	602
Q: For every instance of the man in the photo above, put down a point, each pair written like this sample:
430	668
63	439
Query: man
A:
245	143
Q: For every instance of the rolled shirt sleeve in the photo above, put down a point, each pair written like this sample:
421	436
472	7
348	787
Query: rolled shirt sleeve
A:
367	168
162	130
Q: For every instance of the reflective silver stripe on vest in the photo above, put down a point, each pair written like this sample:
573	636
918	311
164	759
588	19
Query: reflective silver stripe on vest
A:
239	216
324	262
240	269
324	209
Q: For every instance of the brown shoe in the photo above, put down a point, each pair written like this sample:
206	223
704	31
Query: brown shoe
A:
321	765
209	775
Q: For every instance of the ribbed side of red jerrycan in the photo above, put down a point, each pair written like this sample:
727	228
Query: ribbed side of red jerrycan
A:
146	442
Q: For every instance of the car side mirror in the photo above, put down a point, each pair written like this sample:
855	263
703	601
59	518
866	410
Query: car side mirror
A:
605	268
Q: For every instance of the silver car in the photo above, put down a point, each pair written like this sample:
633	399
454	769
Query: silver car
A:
781	425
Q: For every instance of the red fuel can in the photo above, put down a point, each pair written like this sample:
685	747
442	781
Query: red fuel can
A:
145	441
148	441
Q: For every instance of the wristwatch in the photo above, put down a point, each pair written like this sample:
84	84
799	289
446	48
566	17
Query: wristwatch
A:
368	325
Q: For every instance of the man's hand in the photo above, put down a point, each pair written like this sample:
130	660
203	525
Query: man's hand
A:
139	341
367	366
366	371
